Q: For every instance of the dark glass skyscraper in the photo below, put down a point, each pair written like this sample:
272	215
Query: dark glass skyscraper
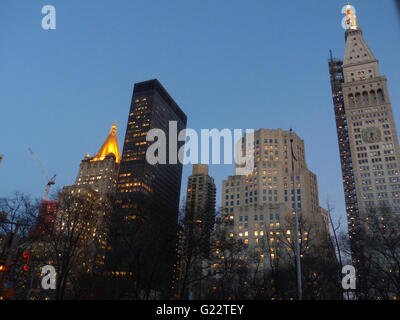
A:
152	107
144	227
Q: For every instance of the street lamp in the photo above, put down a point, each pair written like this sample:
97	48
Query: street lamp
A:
296	225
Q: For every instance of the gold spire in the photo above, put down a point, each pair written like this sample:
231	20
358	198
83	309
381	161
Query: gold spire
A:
109	146
351	18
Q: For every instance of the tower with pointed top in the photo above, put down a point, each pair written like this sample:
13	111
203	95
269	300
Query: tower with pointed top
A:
84	209
101	171
368	142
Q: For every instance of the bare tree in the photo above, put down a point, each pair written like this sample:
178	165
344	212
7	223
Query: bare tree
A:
75	245
381	254
18	218
277	280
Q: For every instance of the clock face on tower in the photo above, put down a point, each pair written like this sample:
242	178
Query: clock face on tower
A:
371	135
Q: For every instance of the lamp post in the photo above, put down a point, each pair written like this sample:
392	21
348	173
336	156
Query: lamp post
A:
296	225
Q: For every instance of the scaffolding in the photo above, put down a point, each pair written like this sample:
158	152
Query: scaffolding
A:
337	79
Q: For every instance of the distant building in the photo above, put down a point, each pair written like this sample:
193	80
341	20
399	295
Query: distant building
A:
45	220
198	224
200	208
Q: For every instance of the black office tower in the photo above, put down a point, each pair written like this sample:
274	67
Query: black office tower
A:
144	225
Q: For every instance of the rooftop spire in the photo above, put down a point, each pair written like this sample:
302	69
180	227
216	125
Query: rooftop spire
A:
350	20
109	146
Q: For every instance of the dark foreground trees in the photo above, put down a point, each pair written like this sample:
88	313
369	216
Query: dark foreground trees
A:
267	270
378	259
17	217
143	268
141	252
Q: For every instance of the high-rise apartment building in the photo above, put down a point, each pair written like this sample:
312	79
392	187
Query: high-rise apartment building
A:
147	198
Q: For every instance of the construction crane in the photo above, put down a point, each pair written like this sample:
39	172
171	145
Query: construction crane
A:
50	182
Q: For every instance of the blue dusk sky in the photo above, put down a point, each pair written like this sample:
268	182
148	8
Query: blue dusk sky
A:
228	64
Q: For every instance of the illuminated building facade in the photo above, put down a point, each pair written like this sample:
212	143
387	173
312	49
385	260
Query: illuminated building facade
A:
259	205
92	194
101	171
82	219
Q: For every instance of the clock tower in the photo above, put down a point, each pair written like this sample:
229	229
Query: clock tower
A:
368	142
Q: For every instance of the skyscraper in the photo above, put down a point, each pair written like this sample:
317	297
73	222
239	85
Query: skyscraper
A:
94	191
97	175
265	198
198	224
101	171
76	227
257	230
147	200
200	207
368	142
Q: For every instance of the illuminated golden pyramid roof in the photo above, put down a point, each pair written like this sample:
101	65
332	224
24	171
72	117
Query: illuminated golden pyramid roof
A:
109	146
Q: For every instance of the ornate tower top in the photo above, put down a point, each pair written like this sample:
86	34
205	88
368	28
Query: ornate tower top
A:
109	146
350	20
